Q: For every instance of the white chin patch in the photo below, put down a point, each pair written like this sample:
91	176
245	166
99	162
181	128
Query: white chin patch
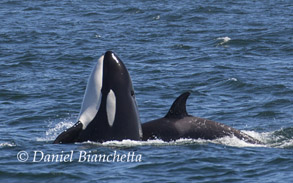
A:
92	97
111	107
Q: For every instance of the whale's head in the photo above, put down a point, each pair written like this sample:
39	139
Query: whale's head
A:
109	110
109	101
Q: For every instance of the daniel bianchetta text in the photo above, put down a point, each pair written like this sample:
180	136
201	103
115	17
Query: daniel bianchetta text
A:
78	156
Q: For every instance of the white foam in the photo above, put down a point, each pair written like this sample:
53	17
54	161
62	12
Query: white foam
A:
228	141
92	98
262	137
156	17
270	139
235	142
127	143
232	79
265	137
155	142
223	40
7	144
285	144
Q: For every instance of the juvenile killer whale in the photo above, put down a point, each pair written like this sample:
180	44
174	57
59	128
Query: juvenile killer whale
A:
109	110
179	124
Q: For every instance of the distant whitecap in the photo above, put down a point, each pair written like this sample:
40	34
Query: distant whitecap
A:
157	17
223	40
7	144
232	79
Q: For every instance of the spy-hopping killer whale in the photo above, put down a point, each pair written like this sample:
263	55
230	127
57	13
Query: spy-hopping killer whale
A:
109	110
178	124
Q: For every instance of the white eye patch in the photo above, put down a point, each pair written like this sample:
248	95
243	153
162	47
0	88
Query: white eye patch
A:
111	107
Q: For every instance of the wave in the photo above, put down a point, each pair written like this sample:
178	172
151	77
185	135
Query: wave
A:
223	40
7	144
282	138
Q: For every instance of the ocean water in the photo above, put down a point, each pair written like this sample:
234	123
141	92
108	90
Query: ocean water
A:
236	59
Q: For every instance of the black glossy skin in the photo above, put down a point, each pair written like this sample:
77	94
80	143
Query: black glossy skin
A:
126	124
178	124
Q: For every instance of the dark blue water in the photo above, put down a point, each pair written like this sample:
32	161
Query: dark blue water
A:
236	58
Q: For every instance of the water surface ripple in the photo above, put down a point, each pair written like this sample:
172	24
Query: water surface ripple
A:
234	57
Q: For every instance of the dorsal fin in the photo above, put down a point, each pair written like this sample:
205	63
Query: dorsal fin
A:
178	108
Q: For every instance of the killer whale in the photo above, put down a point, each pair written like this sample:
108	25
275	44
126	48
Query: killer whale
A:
179	124
109	110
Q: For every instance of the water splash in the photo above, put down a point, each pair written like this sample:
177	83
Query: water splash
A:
154	142
223	40
156	17
232	79
7	144
269	139
282	138
53	132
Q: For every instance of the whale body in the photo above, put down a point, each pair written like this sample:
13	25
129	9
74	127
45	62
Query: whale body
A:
179	124
109	110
